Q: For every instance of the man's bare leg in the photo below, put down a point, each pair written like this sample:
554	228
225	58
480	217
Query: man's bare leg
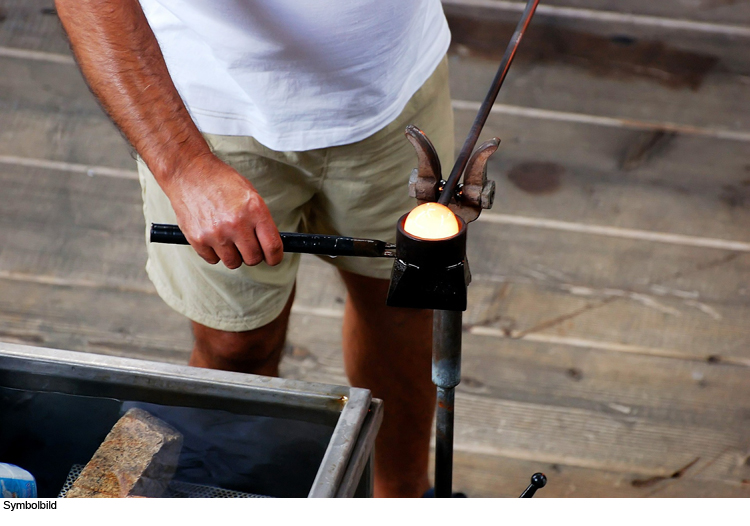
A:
257	351
388	351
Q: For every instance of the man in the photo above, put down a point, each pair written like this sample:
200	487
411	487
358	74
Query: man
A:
254	116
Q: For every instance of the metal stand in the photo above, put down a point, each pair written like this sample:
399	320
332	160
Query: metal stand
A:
446	375
467	203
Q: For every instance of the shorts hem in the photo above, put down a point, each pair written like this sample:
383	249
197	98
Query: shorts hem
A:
370	272
242	324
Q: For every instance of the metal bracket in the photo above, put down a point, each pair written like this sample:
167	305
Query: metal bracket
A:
476	193
425	184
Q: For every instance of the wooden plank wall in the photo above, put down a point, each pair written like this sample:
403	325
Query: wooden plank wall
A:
607	341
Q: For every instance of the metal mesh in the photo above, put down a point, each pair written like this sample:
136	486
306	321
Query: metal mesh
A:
176	489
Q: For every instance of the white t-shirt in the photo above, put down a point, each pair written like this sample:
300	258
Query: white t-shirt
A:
298	74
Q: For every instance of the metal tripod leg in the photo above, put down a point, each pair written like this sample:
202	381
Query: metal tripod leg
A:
446	375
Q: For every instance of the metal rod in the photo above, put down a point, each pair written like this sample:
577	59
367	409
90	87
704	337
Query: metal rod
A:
538	481
444	443
489	100
296	242
446	375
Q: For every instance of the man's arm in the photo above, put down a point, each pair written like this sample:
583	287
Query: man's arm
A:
219	211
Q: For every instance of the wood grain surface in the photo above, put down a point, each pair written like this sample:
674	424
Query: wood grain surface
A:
616	361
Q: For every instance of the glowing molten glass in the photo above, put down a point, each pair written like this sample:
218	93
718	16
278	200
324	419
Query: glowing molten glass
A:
431	221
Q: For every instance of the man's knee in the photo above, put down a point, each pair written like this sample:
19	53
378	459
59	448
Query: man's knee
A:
257	351
258	343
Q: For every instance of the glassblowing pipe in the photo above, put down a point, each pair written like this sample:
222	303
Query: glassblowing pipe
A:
296	242
484	109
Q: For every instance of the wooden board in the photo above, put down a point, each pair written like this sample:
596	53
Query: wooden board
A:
610	263
727	11
701	182
520	401
696	178
611	363
685	299
666	318
730	12
491	476
93	319
645	416
719	102
58	92
71	226
47	112
616	384
31	24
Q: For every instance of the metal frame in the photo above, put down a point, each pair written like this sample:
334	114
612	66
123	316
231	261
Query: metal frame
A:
356	415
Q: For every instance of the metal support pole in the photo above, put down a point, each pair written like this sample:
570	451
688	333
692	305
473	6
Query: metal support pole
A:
446	375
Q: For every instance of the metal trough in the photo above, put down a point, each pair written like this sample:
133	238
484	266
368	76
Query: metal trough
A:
56	407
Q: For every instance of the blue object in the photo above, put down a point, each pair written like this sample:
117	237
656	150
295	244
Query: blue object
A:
16	483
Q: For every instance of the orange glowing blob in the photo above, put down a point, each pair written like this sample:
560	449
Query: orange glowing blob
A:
431	221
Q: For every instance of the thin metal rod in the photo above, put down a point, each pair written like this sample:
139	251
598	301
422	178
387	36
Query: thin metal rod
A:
444	443
446	375
489	100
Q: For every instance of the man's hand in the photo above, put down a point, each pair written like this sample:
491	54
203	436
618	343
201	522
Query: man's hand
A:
222	215
219	211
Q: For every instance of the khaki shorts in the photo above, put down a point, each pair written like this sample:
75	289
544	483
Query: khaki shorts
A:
357	190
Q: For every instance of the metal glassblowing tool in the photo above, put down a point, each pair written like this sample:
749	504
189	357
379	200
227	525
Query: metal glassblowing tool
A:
435	273
429	273
296	242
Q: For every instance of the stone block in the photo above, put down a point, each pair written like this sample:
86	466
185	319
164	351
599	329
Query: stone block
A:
137	459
